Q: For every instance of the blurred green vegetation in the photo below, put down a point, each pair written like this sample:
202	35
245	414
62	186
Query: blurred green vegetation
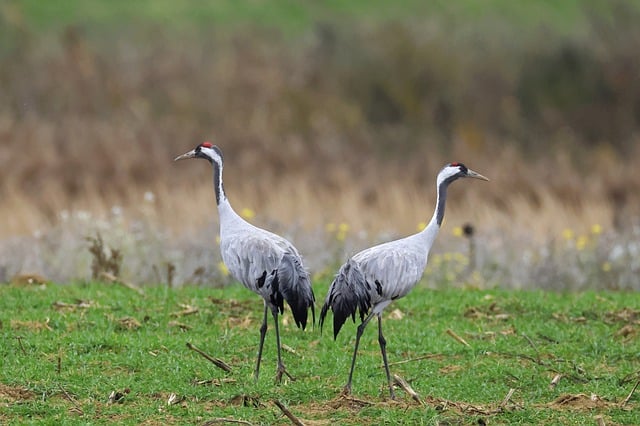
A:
568	17
563	72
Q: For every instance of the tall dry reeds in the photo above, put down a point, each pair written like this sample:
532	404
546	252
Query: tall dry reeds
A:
346	125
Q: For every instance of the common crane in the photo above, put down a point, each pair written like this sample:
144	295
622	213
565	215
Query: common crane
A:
370	280
263	262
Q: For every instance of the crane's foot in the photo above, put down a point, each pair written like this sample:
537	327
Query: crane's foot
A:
346	390
392	394
282	371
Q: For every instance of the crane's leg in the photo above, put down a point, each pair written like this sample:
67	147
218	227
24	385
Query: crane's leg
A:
263	332
281	368
361	327
383	348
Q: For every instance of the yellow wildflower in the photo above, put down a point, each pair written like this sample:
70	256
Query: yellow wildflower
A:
567	234
247	213
223	269
421	226
343	228
606	267
596	229
458	231
582	242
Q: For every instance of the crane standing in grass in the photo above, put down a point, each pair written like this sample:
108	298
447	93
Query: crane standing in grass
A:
369	281
264	262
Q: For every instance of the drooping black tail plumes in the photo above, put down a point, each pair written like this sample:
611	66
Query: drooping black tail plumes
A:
348	293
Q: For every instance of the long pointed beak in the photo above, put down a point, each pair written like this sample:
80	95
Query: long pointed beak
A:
190	154
472	174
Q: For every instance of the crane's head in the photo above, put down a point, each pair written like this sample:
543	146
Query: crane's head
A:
453	171
213	154
205	150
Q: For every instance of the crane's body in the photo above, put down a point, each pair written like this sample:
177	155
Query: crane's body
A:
370	280
262	261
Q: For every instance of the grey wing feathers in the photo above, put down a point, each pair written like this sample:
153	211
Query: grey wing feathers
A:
294	284
348	293
247	258
395	271
270	266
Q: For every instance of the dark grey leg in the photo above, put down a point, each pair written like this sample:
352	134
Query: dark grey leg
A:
361	327
383	348
263	332
281	368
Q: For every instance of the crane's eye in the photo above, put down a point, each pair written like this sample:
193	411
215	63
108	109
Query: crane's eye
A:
207	145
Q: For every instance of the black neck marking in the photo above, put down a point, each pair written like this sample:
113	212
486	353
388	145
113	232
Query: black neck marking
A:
217	181
442	198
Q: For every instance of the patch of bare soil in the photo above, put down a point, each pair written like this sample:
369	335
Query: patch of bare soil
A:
628	315
460	407
30	325
25	280
77	304
490	312
349	403
234	307
128	323
13	394
580	401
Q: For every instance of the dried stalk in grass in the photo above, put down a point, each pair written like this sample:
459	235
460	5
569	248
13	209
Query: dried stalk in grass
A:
419	358
288	349
408	389
19	339
217	362
555	381
114	279
186	310
174	399
288	413
626	400
219	420
533	345
506	399
457	338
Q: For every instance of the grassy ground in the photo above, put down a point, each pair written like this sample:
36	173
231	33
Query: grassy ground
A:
99	353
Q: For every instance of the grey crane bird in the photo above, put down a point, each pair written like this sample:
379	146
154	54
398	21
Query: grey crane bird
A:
263	262
370	280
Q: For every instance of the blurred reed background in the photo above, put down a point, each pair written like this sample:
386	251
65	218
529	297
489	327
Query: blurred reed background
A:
334	118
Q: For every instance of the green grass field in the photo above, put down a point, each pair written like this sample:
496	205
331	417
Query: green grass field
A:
102	353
